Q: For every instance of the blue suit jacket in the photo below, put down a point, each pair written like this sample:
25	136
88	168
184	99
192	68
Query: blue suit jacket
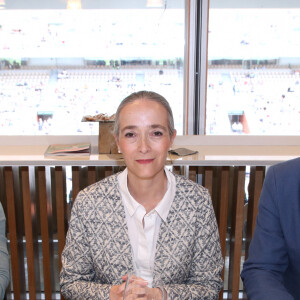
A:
272	270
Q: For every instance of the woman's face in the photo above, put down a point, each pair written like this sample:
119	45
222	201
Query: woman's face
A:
144	138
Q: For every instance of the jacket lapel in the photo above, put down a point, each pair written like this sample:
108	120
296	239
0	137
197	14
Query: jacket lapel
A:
118	243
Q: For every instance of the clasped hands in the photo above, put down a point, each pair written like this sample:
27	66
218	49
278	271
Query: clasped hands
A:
134	287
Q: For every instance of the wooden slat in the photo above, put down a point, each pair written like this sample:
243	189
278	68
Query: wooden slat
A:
91	175
208	179
255	185
60	212
193	173
16	240
222	214
28	211
75	182
237	220
223	207
45	210
108	171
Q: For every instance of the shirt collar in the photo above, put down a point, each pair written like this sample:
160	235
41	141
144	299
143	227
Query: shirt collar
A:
162	207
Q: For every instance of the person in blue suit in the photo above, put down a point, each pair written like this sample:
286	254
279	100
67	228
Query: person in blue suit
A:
272	270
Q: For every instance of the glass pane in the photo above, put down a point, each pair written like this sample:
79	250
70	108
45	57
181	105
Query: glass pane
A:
58	64
253	70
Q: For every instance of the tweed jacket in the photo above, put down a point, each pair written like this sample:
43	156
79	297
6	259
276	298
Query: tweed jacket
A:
98	252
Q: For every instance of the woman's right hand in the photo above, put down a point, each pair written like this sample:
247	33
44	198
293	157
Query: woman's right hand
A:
117	291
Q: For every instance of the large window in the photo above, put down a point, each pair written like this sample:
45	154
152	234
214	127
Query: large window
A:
62	60
59	64
253	81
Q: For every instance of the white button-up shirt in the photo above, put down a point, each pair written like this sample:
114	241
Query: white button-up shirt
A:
143	238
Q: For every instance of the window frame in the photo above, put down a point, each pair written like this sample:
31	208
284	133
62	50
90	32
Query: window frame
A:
196	61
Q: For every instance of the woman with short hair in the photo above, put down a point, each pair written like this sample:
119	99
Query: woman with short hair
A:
145	217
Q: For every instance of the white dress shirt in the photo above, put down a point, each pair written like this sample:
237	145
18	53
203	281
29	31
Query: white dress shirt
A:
143	238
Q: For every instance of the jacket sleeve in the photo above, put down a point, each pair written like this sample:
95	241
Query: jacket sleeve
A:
4	257
268	258
77	274
204	280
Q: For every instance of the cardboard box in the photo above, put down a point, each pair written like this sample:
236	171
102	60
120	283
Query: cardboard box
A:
106	141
